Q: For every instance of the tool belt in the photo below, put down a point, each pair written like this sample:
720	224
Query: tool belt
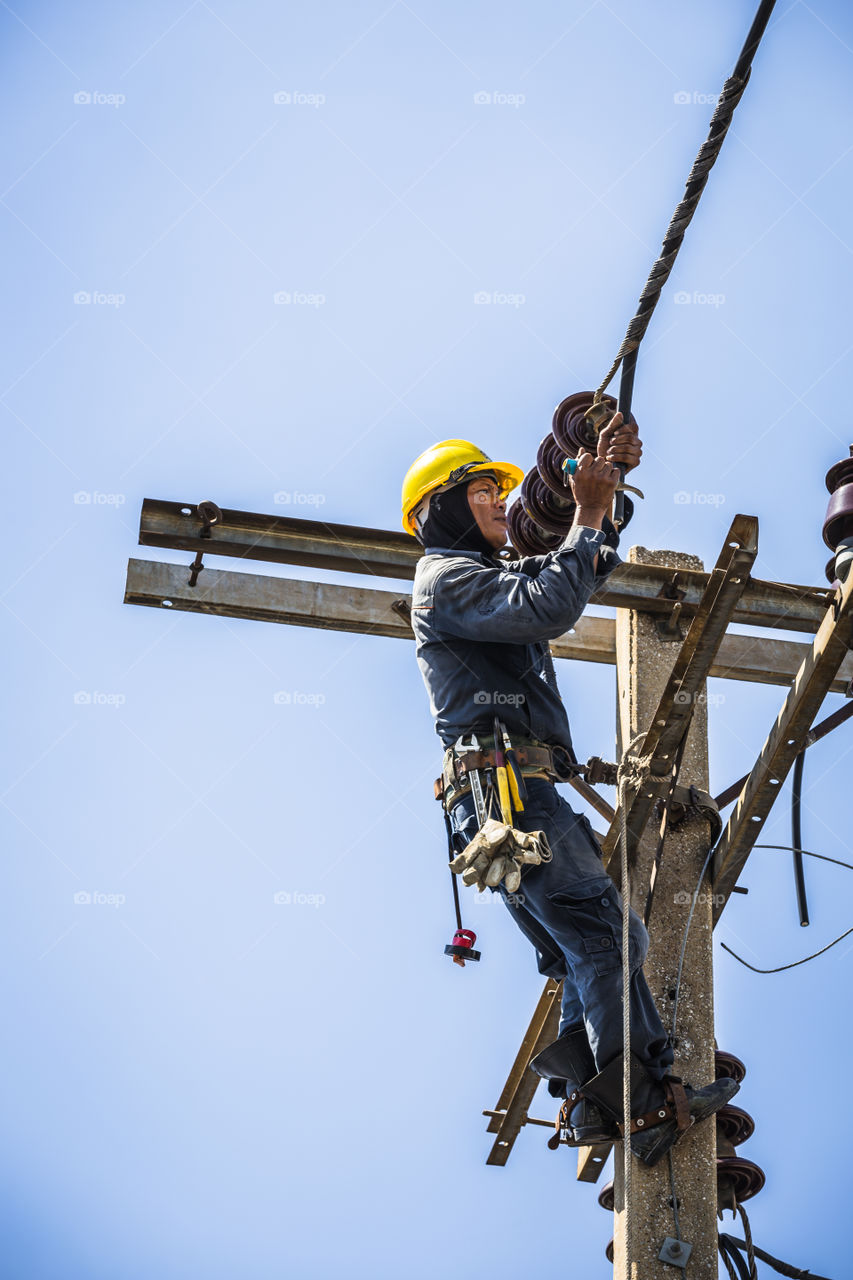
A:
536	759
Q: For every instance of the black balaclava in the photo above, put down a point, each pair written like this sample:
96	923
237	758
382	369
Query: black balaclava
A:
450	522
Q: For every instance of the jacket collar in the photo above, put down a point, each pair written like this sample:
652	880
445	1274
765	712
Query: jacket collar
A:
453	551
493	561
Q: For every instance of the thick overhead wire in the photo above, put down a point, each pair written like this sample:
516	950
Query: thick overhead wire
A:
731	94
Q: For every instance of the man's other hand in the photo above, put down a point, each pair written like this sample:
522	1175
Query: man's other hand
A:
620	443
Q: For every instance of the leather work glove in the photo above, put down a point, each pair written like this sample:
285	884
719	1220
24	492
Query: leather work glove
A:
497	853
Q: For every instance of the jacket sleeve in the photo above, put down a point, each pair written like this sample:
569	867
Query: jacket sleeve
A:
477	602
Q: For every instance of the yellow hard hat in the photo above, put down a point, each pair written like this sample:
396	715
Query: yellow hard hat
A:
450	462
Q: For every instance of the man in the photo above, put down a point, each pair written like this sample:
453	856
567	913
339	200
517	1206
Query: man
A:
482	625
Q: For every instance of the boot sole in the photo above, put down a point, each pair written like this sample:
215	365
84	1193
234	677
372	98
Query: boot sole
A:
592	1137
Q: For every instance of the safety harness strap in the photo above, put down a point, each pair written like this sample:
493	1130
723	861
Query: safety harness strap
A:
675	1107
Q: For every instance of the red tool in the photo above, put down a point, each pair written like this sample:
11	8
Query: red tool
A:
461	948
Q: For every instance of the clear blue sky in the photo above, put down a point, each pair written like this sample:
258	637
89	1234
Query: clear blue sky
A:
200	1081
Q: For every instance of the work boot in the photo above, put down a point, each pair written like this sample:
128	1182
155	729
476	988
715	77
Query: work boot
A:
569	1062
661	1111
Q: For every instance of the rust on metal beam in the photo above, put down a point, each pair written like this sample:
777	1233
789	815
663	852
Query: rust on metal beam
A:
283	539
784	743
671	720
544	1124
597	802
591	1161
264	598
324	605
331	606
517	1093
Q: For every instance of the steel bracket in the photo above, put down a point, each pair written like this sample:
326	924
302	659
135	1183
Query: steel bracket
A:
668	624
671	721
787	738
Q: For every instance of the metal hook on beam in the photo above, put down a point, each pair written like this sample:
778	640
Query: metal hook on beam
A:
210	515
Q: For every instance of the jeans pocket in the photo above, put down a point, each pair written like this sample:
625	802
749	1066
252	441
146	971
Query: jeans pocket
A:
544	796
595	918
593	839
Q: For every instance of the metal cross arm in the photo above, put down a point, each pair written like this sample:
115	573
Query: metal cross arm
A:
671	721
280	539
334	607
784	743
510	1113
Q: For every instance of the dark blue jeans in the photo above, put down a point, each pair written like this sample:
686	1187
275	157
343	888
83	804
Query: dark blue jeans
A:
571	911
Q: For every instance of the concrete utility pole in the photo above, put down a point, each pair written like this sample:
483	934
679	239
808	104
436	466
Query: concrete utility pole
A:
661	681
644	660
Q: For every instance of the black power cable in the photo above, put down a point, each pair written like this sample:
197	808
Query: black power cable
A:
797	836
728	100
784	1268
735	1262
782	967
794	963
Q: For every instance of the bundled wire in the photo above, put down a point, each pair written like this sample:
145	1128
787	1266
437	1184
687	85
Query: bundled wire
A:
739	1267
731	94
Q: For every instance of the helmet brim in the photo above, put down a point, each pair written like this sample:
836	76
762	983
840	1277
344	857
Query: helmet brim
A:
507	474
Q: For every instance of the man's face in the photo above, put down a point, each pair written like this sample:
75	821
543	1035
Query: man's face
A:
489	510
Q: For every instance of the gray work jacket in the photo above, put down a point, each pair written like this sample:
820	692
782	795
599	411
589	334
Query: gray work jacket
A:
482	627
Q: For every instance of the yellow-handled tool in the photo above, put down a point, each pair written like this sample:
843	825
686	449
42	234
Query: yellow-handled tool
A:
503	780
515	777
